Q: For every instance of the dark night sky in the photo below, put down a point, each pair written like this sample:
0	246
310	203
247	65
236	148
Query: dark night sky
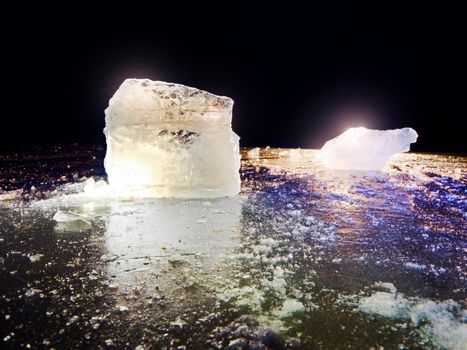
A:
298	75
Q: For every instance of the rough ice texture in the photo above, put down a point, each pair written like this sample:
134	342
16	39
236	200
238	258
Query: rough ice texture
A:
170	140
365	149
441	322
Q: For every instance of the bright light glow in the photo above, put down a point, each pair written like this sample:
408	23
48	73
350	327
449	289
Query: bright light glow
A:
170	140
365	149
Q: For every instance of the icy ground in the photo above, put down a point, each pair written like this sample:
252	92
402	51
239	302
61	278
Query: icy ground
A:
304	258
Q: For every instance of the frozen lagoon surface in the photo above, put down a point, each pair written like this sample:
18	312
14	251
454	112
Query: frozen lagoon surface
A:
303	258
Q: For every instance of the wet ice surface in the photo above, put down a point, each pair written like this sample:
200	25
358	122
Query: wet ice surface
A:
303	258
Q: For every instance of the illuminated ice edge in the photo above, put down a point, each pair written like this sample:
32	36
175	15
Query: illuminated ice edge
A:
365	149
167	140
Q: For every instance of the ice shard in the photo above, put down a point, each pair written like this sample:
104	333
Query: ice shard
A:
365	149
170	140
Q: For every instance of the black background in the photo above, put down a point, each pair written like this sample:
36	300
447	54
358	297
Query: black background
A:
299	75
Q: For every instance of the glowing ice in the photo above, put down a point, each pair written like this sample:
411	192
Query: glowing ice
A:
170	140
365	149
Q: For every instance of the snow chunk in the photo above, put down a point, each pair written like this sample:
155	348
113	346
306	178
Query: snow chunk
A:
170	140
414	266
445	329
365	149
35	257
290	307
442	323
387	285
385	304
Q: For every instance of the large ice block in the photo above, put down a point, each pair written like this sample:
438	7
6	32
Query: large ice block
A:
170	140
365	149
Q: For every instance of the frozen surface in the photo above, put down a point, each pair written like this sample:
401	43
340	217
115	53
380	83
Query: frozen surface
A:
170	140
365	149
303	258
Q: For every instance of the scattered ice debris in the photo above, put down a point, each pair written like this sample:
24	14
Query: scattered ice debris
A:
269	296
365	149
170	140
87	194
441	322
414	266
290	307
246	297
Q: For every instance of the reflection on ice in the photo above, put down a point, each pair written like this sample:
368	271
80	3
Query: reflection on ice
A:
320	256
140	234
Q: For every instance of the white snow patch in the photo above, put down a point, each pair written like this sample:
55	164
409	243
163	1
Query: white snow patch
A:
289	307
385	304
414	266
443	323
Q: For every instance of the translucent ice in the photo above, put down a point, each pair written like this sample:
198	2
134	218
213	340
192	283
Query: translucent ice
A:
170	140
365	149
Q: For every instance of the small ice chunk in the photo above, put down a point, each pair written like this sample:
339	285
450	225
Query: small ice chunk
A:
170	140
365	149
178	323
385	304
122	308
253	153
414	266
72	320
444	322
32	291
68	216
387	285
68	221
35	257
290	307
441	322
